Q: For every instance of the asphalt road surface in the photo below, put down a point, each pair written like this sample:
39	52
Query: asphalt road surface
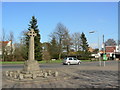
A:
60	65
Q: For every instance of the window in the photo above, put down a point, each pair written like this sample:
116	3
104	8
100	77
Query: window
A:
70	58
75	58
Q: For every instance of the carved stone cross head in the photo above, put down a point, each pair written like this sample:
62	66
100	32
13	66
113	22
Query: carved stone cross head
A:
32	33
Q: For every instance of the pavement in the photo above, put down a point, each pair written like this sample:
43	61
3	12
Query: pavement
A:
85	75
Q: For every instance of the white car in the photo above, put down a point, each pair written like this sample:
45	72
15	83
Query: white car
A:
71	60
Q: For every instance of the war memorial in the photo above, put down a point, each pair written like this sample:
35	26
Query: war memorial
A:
31	68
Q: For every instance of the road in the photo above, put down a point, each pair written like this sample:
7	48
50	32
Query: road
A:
60	65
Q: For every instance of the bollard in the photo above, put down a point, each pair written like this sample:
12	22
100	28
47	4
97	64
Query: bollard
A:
45	75
56	74
49	72
7	73
33	76
20	76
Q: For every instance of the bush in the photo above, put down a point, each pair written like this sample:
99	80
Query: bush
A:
83	58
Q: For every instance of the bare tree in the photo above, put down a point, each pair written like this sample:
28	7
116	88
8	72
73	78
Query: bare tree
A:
110	42
66	41
24	47
76	40
2	44
11	38
61	34
18	52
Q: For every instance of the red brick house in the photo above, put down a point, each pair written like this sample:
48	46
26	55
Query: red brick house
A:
112	51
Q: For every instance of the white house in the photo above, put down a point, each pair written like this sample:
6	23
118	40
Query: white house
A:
7	47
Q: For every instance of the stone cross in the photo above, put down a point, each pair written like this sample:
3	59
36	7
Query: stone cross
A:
31	34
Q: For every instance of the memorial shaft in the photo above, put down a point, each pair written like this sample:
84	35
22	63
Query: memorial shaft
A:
31	34
31	48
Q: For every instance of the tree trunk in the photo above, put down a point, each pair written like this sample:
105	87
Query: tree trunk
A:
59	56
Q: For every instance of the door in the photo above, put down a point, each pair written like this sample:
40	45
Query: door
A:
75	61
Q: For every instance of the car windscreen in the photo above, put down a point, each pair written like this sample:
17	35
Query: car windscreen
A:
65	58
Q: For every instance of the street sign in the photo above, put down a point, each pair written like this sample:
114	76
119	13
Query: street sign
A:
104	57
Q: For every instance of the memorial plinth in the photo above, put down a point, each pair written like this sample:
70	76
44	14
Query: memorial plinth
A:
31	69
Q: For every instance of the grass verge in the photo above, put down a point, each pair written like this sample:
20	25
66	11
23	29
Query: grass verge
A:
41	62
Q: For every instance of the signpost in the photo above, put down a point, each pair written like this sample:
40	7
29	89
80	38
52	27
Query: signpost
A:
104	58
104	54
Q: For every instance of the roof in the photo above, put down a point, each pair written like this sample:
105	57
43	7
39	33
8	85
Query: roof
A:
110	46
91	49
4	43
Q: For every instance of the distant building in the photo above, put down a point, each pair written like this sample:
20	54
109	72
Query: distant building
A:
112	51
90	49
6	45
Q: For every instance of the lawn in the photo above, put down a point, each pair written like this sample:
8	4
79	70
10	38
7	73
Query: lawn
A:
22	62
41	62
12	62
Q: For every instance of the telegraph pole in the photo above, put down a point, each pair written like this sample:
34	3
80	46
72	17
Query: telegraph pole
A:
103	45
99	51
104	51
98	47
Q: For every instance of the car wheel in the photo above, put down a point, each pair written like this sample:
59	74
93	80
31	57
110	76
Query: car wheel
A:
68	64
78	63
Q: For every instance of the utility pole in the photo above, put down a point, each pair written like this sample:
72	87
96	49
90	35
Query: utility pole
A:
98	47
103	45
99	51
103	51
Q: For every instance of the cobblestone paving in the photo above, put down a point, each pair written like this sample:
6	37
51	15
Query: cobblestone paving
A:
73	77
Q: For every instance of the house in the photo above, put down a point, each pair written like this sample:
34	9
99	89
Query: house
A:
112	51
90	49
6	46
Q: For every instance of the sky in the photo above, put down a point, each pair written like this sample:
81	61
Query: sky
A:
101	17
